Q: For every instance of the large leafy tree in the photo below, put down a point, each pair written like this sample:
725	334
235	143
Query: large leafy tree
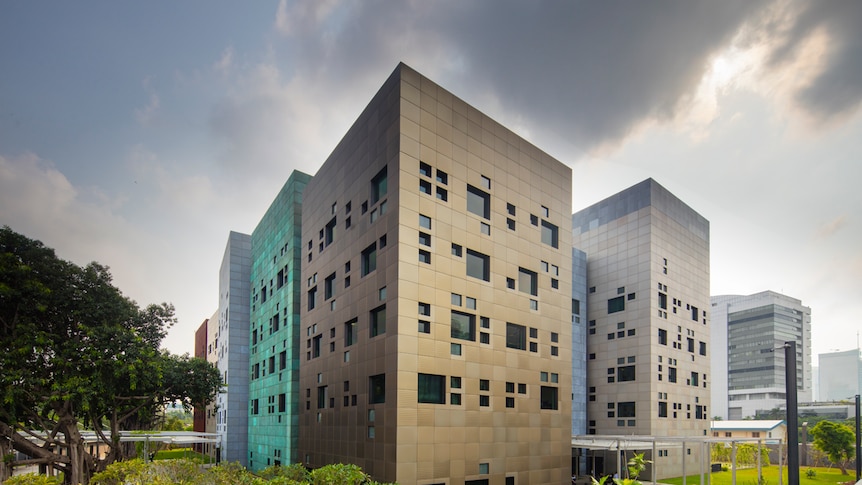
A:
75	353
836	440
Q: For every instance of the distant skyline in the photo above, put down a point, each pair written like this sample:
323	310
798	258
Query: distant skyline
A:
139	134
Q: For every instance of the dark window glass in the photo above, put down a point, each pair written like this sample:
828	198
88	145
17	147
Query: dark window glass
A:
378	186
516	336
329	287
377	321
377	389
369	259
350	333
432	389
626	409
617	304
463	326
626	373
330	232
549	398
662	336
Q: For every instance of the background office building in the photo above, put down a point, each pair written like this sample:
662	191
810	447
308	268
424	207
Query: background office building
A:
276	249
648	341
840	375
231	345
437	298
753	328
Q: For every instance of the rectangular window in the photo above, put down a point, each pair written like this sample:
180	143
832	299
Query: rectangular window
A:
329	287
617	304
550	234
694	376
484	401
702	348
690	342
549	397
662	336
442	194
377	321
478	265
377	389
378	186
662	301
478	202
425	309
694	313
662	409
510	209
516	336
312	298
424	256
330	232
432	389
321	397
424	326
282	360
528	281
425	187
626	373
282	402
369	259
442	177
463	326
424	169
576	306
456	250
671	374
350	333
626	409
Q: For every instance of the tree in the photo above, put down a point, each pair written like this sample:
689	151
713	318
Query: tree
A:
75	352
836	440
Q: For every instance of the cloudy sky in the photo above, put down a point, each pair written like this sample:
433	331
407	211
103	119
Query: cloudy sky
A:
137	134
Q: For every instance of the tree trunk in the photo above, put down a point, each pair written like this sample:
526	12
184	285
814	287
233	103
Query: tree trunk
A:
5	464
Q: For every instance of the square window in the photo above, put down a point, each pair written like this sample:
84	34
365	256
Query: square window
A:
432	389
424	221
484	385
424	169
510	209
455	399
484	322
485	228
516	336
555	351
528	281
510	387
424	256
455	349
463	326
484	338
555	337
424	239
549	398
550	234
455	299
510	402
510	223
471	303
534	304
522	388
381	294
484	401
442	177
555	283
455	382
486	182
543	376
617	304
534	219
424	308
424	326
456	250
510	283
442	194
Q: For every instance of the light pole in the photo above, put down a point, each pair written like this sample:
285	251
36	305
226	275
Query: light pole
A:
858	443
792	413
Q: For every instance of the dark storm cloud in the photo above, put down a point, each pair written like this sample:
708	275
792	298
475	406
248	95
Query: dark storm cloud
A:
837	90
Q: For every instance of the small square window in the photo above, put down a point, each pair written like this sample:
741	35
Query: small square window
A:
534	219
425	187
534	304
424	169
455	349
456	299
484	401
484	385
510	208
456	250
424	326
455	399
471	303
442	177
424	256
510	223
485	228
510	387
534	332
486	182
455	382
555	283
484	322
484	338
424	221
555	351
442	194
534	347
424	239
555	337
510	402
510	283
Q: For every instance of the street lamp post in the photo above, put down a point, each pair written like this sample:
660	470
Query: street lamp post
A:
792	413
858	443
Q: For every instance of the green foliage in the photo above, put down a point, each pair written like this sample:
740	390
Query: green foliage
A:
836	440
810	473
33	479
338	474
636	465
295	472
746	454
78	353
117	473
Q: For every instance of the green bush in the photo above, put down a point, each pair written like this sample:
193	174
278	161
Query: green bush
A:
116	473
33	479
810	473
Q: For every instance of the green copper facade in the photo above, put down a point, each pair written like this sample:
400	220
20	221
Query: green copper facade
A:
274	329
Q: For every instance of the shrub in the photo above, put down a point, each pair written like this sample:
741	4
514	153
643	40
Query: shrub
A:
118	472
33	479
810	473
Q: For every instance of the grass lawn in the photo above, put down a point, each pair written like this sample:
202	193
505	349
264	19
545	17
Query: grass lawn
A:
748	476
178	453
